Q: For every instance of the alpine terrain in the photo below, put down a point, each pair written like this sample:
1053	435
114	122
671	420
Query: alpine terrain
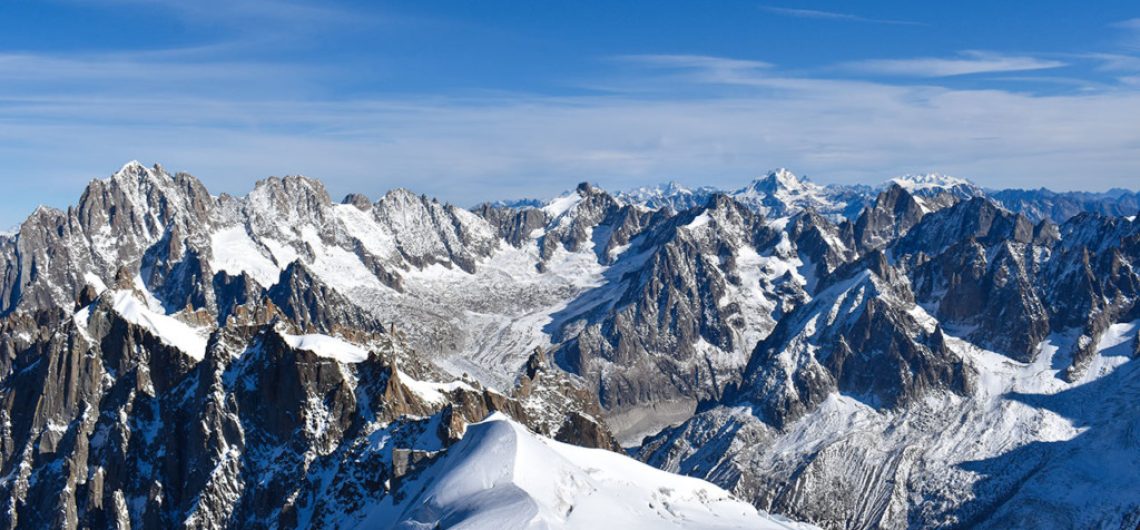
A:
923	353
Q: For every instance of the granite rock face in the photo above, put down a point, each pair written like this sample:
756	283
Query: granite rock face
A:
107	424
878	396
690	297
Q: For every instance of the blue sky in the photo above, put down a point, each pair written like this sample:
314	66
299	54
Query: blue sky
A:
470	101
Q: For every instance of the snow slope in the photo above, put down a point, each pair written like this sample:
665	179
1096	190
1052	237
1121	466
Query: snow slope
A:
930	182
326	346
1025	449
501	476
170	330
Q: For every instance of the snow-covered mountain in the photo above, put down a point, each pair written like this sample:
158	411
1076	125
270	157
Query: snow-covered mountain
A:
900	393
780	192
500	475
1060	206
914	354
935	183
671	194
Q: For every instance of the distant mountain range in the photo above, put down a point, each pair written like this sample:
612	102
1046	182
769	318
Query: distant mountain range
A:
780	192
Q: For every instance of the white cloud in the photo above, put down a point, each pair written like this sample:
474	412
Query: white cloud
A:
703	68
716	121
1131	31
969	62
1114	62
294	13
696	61
832	15
1130	24
151	68
468	150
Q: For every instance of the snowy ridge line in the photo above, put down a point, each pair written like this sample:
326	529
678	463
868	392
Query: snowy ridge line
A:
502	476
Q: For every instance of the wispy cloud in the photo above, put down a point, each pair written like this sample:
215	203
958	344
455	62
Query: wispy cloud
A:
831	15
1112	62
295	13
703	68
94	76
230	115
1130	24
465	149
696	61
127	68
247	25
1131	32
969	62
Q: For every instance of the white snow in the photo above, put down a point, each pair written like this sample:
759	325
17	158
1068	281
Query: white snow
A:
929	181
950	443
94	281
133	165
81	319
671	193
235	252
751	296
283	254
339	268
151	301
699	221
362	225
998	374
1114	349
326	346
782	193
431	392
501	476
562	204
499	313
169	330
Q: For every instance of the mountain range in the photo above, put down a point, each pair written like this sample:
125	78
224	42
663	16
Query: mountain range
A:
923	353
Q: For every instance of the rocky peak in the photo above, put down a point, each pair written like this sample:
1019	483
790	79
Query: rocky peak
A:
585	189
400	196
1040	204
289	203
977	218
673	186
1046	233
588	214
779	180
428	232
314	306
826	245
359	200
869	345
781	194
515	225
890	216
670	194
684	296
931	184
134	176
140	203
